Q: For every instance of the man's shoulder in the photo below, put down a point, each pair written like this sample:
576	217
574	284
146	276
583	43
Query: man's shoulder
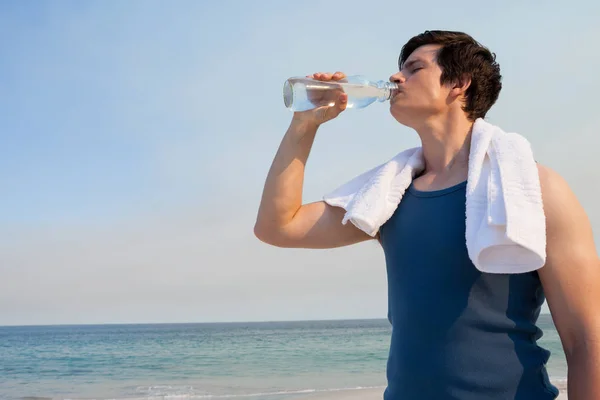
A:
561	205
553	185
549	178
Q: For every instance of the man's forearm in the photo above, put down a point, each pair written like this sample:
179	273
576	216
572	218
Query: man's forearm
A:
282	194
584	371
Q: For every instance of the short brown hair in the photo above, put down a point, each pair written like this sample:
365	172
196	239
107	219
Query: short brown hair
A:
462	56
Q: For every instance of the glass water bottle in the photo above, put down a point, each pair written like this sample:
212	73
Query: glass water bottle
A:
301	93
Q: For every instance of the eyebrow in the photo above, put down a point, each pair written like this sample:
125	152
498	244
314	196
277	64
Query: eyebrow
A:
412	62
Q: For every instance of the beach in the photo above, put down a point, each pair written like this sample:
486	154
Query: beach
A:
377	394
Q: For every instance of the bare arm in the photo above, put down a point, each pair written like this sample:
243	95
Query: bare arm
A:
282	219
571	281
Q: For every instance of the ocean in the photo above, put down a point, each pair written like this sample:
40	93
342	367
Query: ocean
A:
255	361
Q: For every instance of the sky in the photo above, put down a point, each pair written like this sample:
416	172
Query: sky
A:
136	136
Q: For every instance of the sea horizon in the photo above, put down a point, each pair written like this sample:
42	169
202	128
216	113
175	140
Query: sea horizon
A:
201	322
208	322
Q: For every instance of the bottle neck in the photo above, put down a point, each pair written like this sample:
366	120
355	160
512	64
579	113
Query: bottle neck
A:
386	89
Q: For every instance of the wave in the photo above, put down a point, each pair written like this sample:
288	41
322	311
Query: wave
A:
561	383
234	396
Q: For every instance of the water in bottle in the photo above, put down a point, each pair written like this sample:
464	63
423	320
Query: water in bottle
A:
301	94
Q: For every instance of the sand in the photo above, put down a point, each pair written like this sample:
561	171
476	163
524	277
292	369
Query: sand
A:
377	394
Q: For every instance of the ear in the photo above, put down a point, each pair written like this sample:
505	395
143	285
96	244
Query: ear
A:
459	88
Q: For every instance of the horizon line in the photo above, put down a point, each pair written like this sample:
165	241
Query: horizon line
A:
195	323
205	322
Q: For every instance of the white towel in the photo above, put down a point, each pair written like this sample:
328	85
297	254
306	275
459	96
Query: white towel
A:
505	221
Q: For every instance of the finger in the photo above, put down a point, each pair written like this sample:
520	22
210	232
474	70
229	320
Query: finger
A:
339	75
327	113
343	101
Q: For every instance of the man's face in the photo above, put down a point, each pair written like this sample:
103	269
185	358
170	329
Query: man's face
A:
420	95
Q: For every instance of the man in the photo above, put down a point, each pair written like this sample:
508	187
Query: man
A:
457	333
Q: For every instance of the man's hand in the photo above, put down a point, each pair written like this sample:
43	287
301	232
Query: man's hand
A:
336	100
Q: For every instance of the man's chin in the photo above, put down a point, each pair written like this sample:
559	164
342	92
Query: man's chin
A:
400	115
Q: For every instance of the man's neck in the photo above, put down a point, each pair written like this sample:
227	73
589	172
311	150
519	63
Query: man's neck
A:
446	144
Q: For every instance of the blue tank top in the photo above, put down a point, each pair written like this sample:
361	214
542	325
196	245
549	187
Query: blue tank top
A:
457	333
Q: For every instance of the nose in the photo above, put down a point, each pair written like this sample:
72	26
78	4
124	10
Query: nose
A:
398	78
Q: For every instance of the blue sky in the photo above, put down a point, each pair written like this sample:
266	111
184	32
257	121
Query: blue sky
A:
136	137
